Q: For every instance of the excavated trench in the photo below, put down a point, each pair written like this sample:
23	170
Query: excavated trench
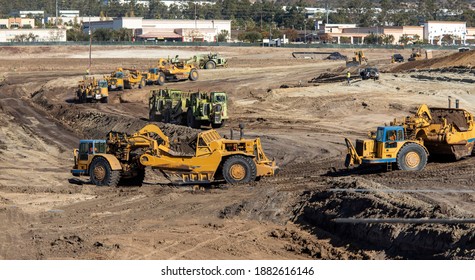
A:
322	209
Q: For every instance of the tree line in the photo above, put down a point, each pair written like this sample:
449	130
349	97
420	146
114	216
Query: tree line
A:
258	19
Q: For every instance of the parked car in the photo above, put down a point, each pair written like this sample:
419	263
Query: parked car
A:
369	73
397	57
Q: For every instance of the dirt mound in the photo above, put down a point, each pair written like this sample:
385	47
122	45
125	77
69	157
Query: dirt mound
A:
463	59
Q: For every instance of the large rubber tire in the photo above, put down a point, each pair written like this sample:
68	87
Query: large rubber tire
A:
411	157
193	75
101	173
210	65
142	83
161	79
84	98
239	169
105	100
191	121
167	118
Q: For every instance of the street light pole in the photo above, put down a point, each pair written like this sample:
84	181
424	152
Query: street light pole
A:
305	32
56	20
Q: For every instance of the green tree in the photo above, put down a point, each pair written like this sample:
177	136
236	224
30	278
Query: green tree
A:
223	36
387	39
251	36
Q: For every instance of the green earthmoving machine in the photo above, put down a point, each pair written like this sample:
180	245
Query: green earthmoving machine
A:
208	61
193	109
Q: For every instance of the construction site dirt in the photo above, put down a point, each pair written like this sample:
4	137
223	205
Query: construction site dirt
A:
298	214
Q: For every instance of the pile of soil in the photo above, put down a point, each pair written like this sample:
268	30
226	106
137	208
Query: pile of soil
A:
463	59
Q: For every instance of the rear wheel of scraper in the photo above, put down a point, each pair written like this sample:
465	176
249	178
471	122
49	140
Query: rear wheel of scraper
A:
210	65
101	173
137	180
193	75
411	157
239	169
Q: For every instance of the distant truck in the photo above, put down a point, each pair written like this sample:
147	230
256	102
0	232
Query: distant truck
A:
192	109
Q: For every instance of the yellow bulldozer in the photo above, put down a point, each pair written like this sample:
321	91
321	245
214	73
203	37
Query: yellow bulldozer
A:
358	59
407	143
206	158
419	54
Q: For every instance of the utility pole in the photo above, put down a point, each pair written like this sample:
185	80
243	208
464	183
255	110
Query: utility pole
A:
305	30
326	9
195	17
90	45
56	20
270	29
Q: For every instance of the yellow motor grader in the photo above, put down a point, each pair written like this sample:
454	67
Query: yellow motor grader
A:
206	158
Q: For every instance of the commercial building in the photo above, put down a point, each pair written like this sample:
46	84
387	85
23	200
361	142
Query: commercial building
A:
166	30
434	31
15	23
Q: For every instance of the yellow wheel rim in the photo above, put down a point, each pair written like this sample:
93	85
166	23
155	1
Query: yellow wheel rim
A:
412	159
194	75
99	173
237	172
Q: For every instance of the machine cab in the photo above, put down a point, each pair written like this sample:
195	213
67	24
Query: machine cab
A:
218	97
91	147
390	134
86	152
389	139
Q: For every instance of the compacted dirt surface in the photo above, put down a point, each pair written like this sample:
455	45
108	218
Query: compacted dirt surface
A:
46	214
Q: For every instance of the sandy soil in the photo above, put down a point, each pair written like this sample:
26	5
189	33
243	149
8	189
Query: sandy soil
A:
289	216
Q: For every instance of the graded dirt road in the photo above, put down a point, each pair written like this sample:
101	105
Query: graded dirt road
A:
289	216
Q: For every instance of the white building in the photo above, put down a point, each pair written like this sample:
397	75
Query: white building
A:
24	14
435	31
145	3
37	35
166	30
69	13
180	3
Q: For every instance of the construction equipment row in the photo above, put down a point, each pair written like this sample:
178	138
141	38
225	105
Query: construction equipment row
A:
193	109
207	158
407	143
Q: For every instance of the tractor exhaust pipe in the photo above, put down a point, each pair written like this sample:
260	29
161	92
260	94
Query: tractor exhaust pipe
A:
456	103
450	101
241	130
231	133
